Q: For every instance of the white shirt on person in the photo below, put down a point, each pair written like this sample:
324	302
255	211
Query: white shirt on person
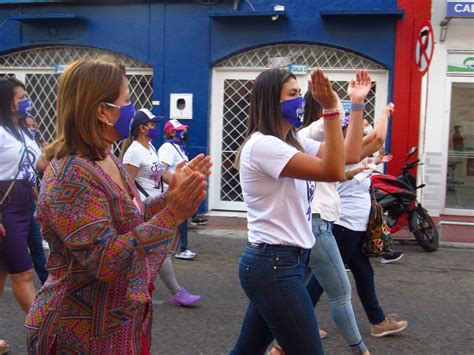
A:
12	150
150	169
326	201
356	203
171	154
278	208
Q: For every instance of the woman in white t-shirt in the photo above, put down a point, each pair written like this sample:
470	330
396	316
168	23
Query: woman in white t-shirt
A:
141	159
20	157
278	171
171	153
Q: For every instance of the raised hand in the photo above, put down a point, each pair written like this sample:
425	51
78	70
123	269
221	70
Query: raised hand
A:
359	88
389	109
322	91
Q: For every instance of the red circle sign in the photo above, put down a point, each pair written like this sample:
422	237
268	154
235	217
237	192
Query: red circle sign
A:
424	48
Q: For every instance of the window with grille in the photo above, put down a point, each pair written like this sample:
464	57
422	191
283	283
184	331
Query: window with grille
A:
36	69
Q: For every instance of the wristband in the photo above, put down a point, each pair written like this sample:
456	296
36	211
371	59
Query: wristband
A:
330	116
330	111
357	107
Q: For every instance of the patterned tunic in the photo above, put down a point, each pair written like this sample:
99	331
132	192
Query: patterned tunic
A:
103	260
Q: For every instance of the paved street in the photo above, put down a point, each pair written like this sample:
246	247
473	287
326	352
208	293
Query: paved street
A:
434	292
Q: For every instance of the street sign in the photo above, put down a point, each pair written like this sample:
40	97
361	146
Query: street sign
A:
464	8
424	48
298	69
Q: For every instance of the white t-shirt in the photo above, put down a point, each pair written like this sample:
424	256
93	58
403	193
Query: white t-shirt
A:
171	154
278	208
355	197
149	167
11	151
326	200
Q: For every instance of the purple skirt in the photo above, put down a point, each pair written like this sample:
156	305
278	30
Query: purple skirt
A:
14	255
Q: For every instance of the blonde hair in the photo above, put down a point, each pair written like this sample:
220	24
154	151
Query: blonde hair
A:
84	85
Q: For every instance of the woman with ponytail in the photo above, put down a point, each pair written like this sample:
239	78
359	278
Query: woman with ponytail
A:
141	159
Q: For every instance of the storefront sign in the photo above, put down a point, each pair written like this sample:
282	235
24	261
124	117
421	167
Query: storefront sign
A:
424	48
298	69
461	62
460	8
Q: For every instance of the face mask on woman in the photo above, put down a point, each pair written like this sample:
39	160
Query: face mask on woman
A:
122	125
153	133
293	111
24	107
181	135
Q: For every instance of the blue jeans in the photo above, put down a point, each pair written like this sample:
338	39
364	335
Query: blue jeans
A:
272	277
35	244
348	242
326	264
183	235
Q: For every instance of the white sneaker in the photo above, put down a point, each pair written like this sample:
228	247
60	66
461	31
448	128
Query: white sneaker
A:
187	254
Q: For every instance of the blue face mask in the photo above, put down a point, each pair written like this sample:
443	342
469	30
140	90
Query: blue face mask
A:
179	135
293	111
153	133
24	107
122	125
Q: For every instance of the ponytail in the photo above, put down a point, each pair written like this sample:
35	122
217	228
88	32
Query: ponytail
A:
128	141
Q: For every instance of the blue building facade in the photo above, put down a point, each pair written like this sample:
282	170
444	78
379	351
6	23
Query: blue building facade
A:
212	49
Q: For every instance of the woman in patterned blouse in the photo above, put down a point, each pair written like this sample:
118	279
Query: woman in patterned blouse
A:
106	245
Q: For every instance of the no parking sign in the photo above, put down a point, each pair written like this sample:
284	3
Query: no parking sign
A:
424	48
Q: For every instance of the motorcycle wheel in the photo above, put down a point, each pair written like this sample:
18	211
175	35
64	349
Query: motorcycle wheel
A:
424	229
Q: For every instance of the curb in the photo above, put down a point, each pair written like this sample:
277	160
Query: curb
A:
456	245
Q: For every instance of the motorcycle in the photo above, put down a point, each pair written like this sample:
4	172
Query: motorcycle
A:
397	195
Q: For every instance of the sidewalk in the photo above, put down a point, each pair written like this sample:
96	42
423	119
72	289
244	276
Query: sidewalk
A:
450	235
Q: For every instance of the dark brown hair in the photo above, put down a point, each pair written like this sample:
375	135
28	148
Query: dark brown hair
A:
312	109
265	108
83	86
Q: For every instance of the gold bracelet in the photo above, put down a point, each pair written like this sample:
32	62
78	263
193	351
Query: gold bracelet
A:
349	175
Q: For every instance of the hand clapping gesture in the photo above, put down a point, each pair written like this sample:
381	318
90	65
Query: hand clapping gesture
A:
187	188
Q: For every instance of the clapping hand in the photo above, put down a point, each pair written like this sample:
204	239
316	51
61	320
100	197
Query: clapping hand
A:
388	110
359	88
322	91
187	188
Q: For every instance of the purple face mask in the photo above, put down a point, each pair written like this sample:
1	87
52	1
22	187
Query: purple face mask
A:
122	125
153	133
293	111
24	106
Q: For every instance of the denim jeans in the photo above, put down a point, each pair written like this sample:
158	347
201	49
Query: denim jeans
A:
348	242
183	235
272	277
35	244
326	264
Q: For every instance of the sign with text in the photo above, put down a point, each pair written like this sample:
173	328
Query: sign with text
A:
463	8
298	69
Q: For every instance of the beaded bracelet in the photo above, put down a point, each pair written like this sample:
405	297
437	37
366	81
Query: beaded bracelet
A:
330	111
357	106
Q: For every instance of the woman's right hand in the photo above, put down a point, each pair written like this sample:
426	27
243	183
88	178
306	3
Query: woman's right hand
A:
322	91
185	193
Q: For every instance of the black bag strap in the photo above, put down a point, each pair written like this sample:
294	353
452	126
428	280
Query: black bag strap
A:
141	189
179	152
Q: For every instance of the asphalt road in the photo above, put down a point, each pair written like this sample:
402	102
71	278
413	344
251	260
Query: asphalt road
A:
434	292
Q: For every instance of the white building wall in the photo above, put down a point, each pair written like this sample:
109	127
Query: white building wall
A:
436	89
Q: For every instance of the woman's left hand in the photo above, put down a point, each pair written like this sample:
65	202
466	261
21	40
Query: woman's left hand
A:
359	88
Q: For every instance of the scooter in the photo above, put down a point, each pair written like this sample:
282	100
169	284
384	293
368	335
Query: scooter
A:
397	195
